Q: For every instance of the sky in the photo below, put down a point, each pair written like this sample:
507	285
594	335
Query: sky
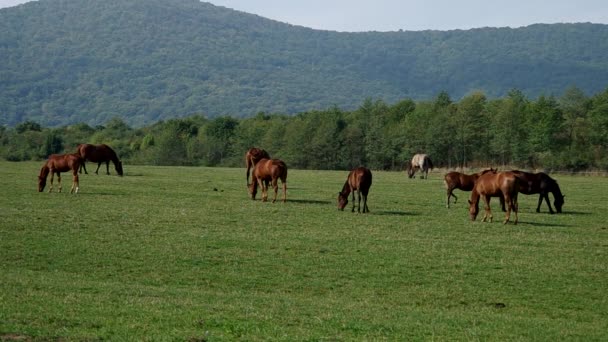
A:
415	15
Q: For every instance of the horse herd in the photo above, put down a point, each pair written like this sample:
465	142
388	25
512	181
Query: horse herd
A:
265	171
75	162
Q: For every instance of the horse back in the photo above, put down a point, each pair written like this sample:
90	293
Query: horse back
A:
64	162
360	179
268	169
492	184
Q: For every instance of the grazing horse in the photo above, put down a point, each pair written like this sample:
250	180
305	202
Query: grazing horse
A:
359	179
456	180
542	184
420	162
56	164
268	170
490	184
99	154
252	156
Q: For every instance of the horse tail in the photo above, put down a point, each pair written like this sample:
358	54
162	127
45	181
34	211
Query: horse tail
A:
430	163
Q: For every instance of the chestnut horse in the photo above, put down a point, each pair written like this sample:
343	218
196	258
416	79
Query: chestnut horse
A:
99	154
420	162
490	184
359	179
57	163
456	180
268	170
542	184
252	156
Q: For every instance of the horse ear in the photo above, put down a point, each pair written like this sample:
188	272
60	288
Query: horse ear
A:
470	202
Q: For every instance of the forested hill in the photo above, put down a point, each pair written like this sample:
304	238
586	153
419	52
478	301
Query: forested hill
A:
67	61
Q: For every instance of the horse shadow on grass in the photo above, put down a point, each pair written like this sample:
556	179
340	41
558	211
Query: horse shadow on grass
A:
542	224
392	213
304	201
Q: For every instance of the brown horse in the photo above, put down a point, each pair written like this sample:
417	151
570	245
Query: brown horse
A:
456	180
99	154
490	184
252	156
359	179
420	162
56	164
542	184
268	170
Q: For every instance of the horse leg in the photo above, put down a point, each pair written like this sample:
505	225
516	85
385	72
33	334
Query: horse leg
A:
359	201
264	186
488	211
353	200
509	202
502	203
59	180
275	187
451	194
82	167
515	207
98	166
107	167
284	190
365	208
540	200
75	185
52	176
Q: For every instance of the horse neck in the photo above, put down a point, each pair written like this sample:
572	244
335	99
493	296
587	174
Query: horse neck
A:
555	190
475	196
345	189
44	171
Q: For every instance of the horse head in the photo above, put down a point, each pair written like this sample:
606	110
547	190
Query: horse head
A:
118	167
41	183
342	201
473	209
559	203
410	170
253	189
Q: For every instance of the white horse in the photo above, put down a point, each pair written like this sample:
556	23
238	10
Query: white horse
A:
420	162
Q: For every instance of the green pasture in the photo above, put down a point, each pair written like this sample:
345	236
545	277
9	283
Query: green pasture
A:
182	254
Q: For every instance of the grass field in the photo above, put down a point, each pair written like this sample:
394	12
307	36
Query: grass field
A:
182	253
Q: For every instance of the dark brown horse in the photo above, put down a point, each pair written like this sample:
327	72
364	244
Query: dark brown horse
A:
252	156
57	163
542	184
456	180
99	154
420	162
265	171
490	184
359	179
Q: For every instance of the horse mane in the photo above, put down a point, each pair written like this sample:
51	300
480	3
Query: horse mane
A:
345	189
44	171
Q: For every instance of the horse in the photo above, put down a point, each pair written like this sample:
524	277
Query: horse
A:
542	184
420	162
456	180
491	184
359	179
252	156
265	171
99	154
57	163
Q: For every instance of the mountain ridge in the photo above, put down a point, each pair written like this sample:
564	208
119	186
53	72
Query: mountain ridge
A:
71	61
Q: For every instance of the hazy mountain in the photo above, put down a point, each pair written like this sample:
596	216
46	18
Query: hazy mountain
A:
67	61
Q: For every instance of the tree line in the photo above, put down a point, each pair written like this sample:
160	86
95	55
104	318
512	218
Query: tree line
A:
569	132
